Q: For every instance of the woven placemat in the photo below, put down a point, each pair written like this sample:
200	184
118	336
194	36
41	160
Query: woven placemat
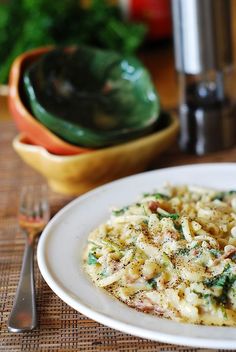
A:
60	328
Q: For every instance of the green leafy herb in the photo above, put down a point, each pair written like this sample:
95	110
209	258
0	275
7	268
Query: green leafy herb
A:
224	312
156	195
178	227
215	252
201	295
211	299
219	196
152	283
103	273
172	216
183	251
218	280
224	280
121	211
92	259
94	22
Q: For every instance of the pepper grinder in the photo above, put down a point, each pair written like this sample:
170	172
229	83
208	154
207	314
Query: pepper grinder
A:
204	59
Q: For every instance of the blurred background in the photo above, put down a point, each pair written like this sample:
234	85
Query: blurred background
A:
137	27
141	28
128	26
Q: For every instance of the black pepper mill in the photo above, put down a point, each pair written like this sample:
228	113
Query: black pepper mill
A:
203	59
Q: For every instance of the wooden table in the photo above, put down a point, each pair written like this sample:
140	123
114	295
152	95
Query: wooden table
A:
60	327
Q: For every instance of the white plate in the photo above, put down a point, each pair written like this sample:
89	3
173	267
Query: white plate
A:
63	240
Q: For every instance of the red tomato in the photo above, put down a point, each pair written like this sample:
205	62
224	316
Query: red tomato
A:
155	13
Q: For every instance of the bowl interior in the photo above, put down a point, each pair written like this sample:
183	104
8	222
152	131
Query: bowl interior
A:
25	64
92	97
21	112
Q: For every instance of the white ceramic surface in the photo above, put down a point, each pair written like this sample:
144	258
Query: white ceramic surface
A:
63	240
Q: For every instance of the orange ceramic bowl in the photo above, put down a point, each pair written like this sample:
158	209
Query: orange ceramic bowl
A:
35	132
76	174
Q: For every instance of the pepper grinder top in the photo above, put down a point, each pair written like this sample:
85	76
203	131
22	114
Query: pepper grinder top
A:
203	59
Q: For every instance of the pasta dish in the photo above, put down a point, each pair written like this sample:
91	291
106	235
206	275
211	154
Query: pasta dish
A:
170	254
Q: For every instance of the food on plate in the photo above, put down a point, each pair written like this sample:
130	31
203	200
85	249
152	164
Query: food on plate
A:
171	254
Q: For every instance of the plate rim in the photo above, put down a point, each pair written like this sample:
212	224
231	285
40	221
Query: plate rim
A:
102	317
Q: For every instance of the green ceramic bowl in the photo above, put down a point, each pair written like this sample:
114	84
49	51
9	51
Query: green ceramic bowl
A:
92	97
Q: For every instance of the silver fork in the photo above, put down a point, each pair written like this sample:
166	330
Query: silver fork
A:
33	215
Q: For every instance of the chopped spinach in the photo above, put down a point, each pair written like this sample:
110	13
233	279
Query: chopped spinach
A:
219	196
211	299
152	283
183	251
173	216
224	280
103	273
178	227
215	252
197	245
156	195
220	279
92	259
202	295
121	211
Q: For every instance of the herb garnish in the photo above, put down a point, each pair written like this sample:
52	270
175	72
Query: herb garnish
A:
156	195
92	259
183	251
173	216
221	195
103	273
224	280
121	211
215	252
152	283
178	228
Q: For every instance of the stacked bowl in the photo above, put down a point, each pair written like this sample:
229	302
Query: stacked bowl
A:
86	116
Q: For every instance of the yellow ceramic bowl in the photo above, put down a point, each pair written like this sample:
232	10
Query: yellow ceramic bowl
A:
79	173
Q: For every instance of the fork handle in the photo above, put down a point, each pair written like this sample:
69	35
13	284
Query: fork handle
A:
23	316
